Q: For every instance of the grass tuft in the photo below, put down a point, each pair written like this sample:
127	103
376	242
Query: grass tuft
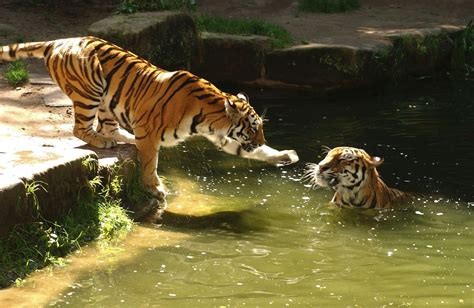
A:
280	36
17	73
328	6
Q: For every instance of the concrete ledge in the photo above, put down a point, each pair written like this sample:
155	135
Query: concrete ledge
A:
60	171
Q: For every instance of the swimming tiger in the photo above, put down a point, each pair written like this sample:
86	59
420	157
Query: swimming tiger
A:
353	175
137	102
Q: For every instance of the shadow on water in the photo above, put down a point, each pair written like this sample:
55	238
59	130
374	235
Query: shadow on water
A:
243	221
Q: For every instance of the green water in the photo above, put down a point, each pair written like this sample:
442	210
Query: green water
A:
272	241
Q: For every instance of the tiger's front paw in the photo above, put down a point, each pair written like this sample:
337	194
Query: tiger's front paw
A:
159	192
286	157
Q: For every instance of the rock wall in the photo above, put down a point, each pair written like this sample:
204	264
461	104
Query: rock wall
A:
169	40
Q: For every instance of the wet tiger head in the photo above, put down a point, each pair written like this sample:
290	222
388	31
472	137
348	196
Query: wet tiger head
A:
343	167
247	125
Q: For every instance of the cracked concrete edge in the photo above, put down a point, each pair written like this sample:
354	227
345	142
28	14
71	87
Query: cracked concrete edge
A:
62	176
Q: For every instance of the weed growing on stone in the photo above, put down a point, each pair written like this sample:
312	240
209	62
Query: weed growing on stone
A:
17	73
462	61
31	188
98	215
328	6
279	35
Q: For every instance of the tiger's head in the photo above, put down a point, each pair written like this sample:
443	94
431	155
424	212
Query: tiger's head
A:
344	168
247	125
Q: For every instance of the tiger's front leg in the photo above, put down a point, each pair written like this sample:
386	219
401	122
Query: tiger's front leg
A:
148	156
262	153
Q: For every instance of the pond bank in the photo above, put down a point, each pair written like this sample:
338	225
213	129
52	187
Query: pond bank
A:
253	61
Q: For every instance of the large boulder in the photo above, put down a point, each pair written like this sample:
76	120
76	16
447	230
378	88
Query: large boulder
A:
8	35
322	67
167	39
231	58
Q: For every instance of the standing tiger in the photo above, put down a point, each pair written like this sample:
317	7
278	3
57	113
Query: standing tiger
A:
353	175
154	107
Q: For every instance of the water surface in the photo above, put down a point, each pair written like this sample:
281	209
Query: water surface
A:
264	238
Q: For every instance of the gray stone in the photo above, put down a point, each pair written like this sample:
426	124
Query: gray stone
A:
321	67
231	58
167	39
8	35
60	171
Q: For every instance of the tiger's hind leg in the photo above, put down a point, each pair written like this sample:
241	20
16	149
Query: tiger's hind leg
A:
85	111
110	128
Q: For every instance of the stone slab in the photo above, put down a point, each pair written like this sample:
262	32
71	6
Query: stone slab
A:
59	171
231	58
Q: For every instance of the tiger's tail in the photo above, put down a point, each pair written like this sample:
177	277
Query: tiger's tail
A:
24	50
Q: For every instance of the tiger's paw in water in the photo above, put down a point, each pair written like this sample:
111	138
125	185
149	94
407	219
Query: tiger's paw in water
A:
151	208
286	157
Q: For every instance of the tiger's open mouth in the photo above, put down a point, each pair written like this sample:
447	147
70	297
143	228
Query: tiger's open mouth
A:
318	179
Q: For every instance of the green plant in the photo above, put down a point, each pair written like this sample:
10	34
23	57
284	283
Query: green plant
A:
31	189
462	61
127	7
17	73
328	6
279	35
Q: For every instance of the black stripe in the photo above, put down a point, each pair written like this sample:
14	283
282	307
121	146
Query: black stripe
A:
195	90
196	120
163	134
84	106
190	80
373	204
12	51
204	96
84	118
214	100
175	77
47	49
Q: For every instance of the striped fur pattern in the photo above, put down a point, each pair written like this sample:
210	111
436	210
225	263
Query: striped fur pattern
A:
353	175
137	102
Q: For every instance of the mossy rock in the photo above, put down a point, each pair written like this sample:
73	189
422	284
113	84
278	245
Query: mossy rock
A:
167	39
420	52
322	67
8	35
231	58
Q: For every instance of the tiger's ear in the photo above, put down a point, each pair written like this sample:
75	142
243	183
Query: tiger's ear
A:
243	96
375	161
231	107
